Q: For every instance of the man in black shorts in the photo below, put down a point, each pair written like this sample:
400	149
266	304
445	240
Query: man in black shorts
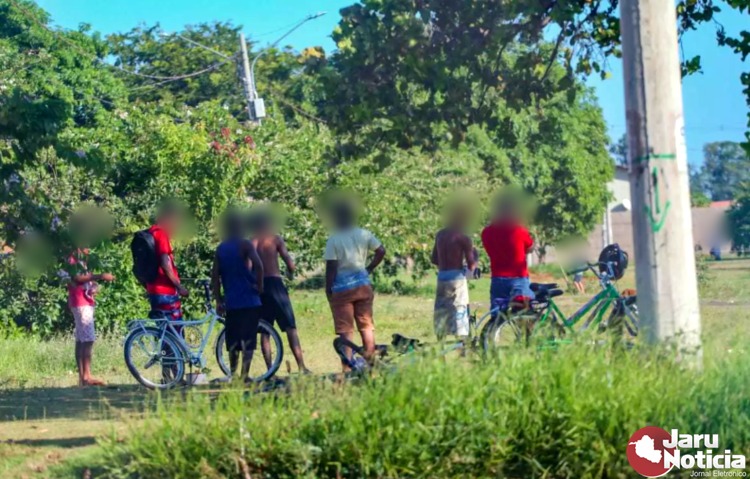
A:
238	274
275	298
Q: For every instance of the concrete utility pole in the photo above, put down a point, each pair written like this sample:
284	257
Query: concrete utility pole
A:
662	222
247	80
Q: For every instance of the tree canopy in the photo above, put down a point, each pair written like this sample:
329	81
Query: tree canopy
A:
422	97
726	166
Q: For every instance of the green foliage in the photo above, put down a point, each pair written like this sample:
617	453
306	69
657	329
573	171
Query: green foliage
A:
418	73
569	411
167	63
702	269
741	46
738	218
619	151
726	166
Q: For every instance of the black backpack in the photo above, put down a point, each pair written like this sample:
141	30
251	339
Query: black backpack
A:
145	260
617	259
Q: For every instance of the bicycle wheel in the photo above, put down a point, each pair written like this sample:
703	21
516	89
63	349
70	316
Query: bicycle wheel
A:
156	359
501	333
266	361
624	317
351	355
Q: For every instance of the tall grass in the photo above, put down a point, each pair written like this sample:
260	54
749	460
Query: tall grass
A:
29	362
566	413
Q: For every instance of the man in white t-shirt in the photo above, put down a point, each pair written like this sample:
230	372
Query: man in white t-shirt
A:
348	285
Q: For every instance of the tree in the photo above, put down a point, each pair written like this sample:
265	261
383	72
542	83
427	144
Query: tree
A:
157	55
414	73
563	163
173	70
619	151
726	165
738	218
741	46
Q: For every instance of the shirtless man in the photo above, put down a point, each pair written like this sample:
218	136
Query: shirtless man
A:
275	298
452	251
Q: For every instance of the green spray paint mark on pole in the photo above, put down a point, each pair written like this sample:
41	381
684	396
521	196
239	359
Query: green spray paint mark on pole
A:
658	216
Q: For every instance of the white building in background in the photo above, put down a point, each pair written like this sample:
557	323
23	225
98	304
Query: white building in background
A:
709	223
619	187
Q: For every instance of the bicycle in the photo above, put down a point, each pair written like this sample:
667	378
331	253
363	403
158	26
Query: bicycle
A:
354	358
158	350
523	322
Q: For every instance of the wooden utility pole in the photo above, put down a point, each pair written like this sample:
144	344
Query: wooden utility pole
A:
662	223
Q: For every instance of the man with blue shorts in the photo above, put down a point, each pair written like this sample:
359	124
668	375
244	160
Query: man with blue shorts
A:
507	243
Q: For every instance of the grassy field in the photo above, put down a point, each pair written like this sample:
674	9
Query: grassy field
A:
50	428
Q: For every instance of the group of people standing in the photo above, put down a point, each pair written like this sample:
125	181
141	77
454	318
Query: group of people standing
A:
247	281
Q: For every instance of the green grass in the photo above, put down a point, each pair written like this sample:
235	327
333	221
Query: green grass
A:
562	414
516	418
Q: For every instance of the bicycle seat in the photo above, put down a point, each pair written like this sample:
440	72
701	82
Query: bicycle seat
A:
542	286
154	314
545	294
203	282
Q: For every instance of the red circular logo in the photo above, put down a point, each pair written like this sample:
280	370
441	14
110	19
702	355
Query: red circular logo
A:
646	451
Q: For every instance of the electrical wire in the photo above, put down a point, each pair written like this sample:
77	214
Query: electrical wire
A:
96	59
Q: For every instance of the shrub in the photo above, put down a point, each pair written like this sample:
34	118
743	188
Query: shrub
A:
565	414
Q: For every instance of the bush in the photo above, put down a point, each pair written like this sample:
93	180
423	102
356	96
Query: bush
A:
702	270
563	414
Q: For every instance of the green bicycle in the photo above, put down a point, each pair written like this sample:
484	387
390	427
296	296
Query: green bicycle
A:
541	318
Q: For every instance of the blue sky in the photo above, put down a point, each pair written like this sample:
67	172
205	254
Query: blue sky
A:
714	105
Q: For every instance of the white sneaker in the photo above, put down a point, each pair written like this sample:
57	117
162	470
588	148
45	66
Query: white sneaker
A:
224	380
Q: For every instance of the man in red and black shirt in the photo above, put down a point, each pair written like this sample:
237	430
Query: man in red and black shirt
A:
507	243
165	291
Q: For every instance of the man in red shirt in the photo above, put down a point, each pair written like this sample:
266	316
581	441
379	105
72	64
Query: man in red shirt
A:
165	291
507	243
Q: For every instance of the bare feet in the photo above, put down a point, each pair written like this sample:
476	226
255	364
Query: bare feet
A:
93	382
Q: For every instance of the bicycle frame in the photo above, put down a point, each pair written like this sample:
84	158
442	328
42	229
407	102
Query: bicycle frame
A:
597	306
167	326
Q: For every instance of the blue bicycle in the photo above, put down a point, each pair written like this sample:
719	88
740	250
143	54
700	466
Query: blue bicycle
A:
158	351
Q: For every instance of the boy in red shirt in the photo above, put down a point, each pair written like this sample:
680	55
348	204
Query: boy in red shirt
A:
165	291
82	288
507	243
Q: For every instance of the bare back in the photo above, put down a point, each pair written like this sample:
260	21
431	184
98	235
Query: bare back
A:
453	249
269	248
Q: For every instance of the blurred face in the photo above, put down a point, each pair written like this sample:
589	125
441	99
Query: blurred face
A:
170	222
90	226
458	217
343	216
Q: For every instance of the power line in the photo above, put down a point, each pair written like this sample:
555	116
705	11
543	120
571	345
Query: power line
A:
702	128
299	110
96	59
